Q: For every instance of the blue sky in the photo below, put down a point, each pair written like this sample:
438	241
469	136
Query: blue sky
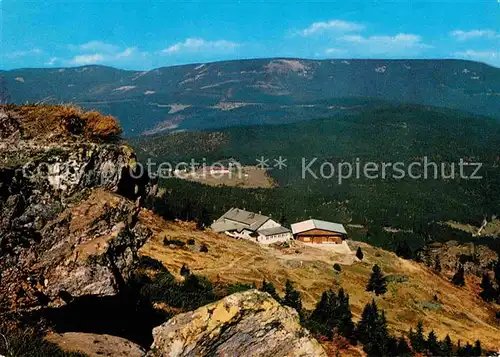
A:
149	34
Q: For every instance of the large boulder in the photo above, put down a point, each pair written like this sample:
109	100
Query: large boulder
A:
94	345
246	324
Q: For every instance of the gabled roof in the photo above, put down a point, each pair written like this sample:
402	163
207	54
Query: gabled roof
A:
221	226
245	218
274	230
317	224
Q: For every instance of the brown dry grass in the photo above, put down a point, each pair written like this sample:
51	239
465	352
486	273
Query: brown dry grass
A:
461	313
48	121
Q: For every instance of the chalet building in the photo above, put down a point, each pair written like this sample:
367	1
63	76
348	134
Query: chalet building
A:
241	224
319	232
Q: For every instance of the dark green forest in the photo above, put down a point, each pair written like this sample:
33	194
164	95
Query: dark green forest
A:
386	134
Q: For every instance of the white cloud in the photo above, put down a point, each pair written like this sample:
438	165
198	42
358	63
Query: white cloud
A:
332	25
335	51
82	60
201	45
95	46
32	52
98	52
487	55
472	34
128	52
400	44
52	61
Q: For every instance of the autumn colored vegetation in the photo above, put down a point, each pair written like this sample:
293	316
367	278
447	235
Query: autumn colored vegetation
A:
49	121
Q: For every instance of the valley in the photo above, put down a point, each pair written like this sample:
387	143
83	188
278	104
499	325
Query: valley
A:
112	240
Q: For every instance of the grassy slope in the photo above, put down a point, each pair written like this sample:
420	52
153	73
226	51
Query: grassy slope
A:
462	314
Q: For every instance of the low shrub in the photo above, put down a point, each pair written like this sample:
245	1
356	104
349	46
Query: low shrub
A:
193	292
46	120
150	263
397	278
430	305
175	242
204	248
29	344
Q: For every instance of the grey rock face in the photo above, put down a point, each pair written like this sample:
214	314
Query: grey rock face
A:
249	324
68	219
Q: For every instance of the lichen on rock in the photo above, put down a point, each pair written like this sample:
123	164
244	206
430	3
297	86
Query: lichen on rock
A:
67	191
250	324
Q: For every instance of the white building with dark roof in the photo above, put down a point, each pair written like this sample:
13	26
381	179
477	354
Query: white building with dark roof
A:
241	224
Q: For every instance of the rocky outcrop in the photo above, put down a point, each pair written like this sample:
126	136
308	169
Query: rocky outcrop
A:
476	259
249	324
68	208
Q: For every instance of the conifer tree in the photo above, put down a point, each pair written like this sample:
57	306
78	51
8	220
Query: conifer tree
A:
372	332
497	273
466	351
437	264
403	349
333	313
477	351
345	325
359	254
497	279
447	347
269	288
319	317
488	293
377	282
459	277
292	297
433	346
185	270
417	339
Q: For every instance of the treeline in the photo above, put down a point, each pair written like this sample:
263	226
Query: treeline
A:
332	319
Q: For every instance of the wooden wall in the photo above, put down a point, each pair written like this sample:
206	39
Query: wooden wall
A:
320	236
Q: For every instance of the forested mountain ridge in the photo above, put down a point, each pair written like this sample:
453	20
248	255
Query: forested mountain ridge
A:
258	91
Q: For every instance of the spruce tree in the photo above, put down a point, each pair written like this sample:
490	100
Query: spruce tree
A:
403	349
372	331
318	320
433	346
497	279
447	347
333	314
345	325
292	297
359	254
488	293
497	273
185	270
269	288
477	351
466	351
459	277
437	264
377	282
417	339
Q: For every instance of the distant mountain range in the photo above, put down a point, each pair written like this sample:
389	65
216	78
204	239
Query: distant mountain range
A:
259	91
